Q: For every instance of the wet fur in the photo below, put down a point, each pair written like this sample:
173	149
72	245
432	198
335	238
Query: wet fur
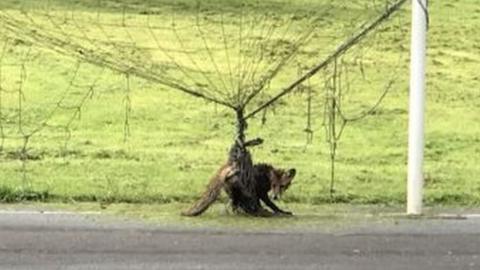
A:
227	178
264	175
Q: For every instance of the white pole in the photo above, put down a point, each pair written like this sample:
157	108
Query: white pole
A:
417	107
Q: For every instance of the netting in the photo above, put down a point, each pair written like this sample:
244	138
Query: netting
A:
224	56
239	56
181	53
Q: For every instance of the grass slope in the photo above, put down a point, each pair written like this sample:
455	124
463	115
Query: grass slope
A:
177	142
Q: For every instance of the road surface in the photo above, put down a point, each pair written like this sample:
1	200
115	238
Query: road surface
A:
31	240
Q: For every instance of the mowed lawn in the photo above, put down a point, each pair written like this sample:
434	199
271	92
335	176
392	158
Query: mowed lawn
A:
176	142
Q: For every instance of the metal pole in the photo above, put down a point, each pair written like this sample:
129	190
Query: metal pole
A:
417	107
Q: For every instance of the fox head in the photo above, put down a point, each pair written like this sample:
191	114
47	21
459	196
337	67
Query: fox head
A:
280	180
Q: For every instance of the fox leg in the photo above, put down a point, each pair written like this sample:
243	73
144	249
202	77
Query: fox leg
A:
274	207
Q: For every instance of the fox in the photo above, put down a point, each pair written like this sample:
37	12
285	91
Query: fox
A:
267	179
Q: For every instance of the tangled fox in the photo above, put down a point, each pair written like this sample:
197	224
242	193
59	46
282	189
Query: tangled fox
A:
266	177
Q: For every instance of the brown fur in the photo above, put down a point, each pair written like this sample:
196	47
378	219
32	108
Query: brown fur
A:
275	180
214	188
266	178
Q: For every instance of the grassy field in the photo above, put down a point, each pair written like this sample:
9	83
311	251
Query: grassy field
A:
176	142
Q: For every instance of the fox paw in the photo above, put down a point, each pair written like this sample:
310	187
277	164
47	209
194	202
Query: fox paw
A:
284	213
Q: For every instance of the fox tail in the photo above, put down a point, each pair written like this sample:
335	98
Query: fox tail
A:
208	198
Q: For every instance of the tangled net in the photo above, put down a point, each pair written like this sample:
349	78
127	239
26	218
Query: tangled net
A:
225	55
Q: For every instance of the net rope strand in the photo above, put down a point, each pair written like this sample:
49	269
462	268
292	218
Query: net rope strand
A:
112	44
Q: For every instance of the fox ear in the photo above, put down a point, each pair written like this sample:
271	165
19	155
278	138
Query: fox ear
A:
292	172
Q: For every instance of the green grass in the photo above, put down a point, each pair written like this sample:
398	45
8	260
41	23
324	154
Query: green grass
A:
177	142
324	218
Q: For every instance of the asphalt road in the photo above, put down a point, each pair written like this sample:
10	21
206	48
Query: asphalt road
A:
30	240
